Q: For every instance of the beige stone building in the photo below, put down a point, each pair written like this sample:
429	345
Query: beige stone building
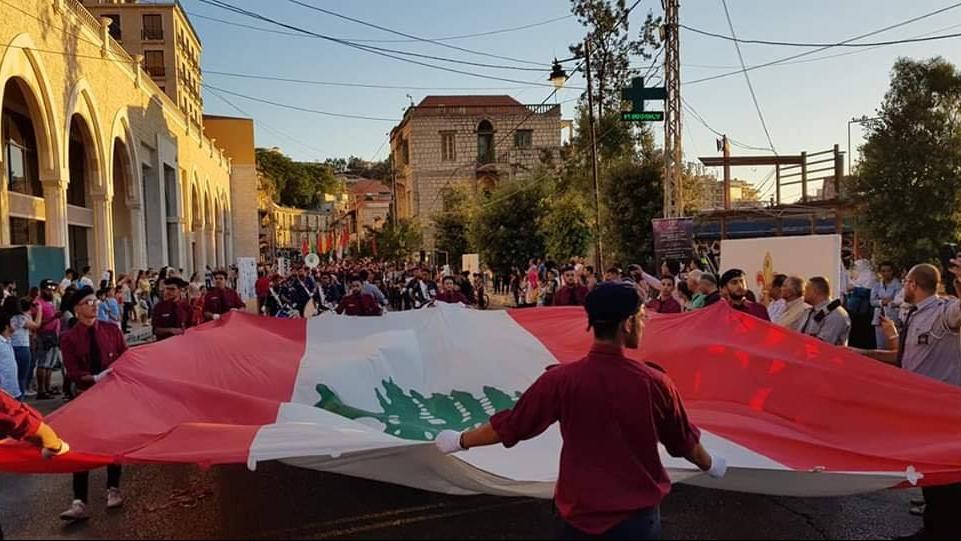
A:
283	230
368	207
163	35
96	157
743	194
481	140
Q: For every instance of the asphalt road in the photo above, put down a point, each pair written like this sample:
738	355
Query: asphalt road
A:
280	501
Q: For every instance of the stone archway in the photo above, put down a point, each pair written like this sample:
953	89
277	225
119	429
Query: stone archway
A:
123	205
83	170
21	187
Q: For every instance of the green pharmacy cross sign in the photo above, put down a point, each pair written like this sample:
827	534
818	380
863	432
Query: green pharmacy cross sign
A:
637	94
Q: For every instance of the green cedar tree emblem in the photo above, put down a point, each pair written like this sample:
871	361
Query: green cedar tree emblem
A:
414	416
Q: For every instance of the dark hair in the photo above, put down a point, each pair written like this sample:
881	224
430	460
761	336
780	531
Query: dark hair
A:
685	290
605	330
615	270
673	266
4	320
219	272
363	275
888	264
778	280
11	306
451	278
86	269
589	268
70	272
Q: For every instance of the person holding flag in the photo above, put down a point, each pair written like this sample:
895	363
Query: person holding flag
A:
613	413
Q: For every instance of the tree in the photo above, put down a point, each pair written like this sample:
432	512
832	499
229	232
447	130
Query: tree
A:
398	242
608	31
505	228
566	226
909	178
452	224
633	196
296	184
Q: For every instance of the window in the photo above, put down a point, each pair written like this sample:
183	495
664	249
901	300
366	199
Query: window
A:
114	26
153	27
524	139
485	142
448	150
154	63
25	231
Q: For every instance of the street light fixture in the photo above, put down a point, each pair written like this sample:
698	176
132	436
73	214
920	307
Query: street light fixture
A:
558	75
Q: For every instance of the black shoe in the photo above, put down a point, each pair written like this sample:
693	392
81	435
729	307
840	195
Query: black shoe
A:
43	396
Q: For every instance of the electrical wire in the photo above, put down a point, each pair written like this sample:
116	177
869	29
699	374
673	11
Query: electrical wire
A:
411	36
798	44
355	85
297	107
740	57
819	49
687	106
356	40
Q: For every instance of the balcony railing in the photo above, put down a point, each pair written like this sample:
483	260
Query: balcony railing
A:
156	71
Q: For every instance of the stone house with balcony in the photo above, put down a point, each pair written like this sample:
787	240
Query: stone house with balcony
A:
479	140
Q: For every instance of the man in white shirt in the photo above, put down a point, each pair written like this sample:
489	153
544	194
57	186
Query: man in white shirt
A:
777	303
794	311
86	280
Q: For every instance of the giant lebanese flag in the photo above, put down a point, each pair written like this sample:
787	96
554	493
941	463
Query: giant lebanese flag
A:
365	397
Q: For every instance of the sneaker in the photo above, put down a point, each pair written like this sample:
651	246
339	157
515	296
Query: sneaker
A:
114	499
77	511
31	394
917	510
917	501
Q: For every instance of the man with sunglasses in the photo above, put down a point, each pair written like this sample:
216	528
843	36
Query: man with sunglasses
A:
172	315
89	350
613	412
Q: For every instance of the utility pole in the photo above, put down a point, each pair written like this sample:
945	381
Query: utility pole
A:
598	245
673	191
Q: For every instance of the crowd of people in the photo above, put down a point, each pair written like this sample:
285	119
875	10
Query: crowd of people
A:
75	328
365	287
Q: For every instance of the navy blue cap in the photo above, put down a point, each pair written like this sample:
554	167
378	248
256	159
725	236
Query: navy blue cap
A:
612	302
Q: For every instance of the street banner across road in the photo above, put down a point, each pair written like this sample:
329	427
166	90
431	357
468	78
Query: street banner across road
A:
366	396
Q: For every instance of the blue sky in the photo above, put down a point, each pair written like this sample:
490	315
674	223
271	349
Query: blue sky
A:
806	105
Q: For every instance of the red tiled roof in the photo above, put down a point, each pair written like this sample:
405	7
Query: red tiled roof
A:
365	186
468	101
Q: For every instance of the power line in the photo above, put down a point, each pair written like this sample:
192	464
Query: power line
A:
349	84
262	124
356	40
385	52
689	108
410	36
798	44
740	57
296	107
819	49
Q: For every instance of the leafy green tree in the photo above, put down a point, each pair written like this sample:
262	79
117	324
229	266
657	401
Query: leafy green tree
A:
506	227
633	196
566	226
909	178
452	224
398	242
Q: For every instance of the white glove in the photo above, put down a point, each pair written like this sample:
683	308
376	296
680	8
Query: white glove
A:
718	467
100	376
216	317
448	442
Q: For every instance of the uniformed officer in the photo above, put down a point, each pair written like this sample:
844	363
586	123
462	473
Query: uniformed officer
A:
930	345
826	319
613	412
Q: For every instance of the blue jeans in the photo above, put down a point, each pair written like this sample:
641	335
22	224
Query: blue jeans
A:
644	524
24	366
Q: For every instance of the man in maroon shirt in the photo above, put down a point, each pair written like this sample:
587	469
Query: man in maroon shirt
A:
356	303
613	412
734	288
172	315
221	299
572	293
450	295
89	350
665	303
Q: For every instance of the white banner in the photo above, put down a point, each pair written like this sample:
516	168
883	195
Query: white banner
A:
246	277
805	256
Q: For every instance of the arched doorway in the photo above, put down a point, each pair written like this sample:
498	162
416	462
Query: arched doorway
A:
21	164
83	171
123	199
